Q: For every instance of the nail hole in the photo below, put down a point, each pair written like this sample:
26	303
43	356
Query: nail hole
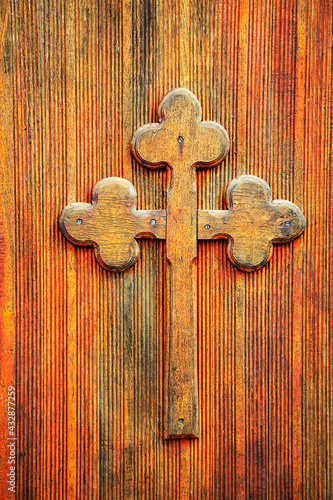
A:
207	226
181	421
153	222
79	222
180	139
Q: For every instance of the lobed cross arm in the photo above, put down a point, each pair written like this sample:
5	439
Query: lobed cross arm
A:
180	140
252	223
111	223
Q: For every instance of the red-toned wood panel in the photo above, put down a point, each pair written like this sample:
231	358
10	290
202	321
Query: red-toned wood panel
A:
78	78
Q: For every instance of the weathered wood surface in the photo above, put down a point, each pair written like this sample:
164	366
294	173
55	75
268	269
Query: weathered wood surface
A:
181	141
80	78
252	223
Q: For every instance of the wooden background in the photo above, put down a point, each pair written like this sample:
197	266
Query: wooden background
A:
77	79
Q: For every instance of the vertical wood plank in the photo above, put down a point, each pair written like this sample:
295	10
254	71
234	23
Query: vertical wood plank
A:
240	347
128	277
72	325
7	250
298	257
184	81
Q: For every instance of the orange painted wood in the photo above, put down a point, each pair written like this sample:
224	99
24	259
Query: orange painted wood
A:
182	142
77	79
8	397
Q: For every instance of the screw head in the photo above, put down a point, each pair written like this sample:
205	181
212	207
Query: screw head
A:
207	226
79	222
153	222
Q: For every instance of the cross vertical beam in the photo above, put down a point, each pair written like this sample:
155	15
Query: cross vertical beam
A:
181	141
181	367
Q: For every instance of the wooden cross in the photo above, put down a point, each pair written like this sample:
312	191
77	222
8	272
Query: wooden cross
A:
251	224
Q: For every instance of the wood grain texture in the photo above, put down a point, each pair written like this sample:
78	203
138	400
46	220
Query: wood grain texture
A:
181	141
252	223
81	77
